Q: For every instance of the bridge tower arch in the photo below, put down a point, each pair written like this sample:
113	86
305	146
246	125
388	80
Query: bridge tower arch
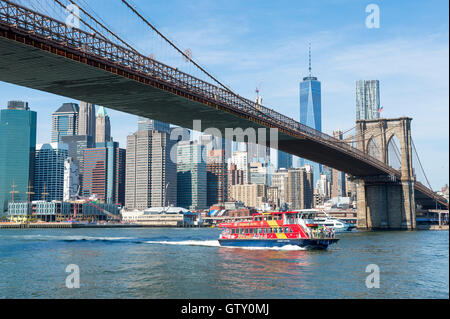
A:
386	202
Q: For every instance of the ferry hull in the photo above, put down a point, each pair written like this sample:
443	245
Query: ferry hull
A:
267	243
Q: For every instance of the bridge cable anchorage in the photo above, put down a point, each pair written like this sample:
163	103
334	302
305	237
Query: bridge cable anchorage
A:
188	58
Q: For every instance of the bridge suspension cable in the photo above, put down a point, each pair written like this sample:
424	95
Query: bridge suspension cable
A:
102	25
420	164
189	59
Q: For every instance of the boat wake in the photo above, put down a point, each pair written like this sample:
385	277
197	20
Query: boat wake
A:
207	243
215	243
190	242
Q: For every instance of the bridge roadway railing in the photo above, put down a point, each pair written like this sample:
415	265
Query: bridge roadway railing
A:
36	24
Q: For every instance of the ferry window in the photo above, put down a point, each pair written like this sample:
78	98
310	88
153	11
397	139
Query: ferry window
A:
269	218
265	230
251	230
246	230
270	230
286	229
280	230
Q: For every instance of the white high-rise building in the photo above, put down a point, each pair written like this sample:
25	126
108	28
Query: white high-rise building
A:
71	179
322	186
367	99
240	159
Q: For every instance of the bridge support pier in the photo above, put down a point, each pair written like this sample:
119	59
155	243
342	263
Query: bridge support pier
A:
385	205
386	202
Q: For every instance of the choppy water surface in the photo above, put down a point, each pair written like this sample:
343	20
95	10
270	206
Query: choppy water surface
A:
189	263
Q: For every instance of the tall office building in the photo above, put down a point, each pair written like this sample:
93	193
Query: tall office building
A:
145	124
76	145
102	126
311	110
258	173
240	159
217	177
17	148
284	160
235	177
252	195
151	176
323	186
64	121
104	173
280	181
191	176
337	177
49	171
72	184
367	99
86	119
300	187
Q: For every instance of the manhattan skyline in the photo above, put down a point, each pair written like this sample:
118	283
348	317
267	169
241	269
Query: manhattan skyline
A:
408	54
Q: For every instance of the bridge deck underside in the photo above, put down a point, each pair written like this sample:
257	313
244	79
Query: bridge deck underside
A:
34	68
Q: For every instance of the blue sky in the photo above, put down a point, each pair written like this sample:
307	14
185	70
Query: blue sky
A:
247	43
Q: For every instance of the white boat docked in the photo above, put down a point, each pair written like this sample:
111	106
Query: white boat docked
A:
338	225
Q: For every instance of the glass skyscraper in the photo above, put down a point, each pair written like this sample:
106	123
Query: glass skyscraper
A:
17	147
191	176
65	121
284	160
311	111
367	100
145	124
49	171
103	172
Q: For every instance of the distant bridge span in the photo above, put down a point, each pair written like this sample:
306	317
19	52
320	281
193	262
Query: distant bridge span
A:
39	52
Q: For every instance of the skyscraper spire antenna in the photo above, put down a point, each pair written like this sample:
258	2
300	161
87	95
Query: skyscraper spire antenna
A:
310	59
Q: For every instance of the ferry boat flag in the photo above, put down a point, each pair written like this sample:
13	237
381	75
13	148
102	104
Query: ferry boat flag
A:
380	109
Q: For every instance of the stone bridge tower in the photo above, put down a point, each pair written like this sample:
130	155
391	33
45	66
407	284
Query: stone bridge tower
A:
386	202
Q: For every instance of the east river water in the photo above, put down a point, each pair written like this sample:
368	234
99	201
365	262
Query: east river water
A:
189	263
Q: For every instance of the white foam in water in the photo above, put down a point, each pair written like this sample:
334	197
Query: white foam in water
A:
204	243
286	247
208	243
215	243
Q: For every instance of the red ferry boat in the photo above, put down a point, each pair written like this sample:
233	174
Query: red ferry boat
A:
277	229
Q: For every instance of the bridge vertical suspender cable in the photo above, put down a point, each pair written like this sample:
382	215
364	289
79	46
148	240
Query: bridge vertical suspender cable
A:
420	163
99	23
188	58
